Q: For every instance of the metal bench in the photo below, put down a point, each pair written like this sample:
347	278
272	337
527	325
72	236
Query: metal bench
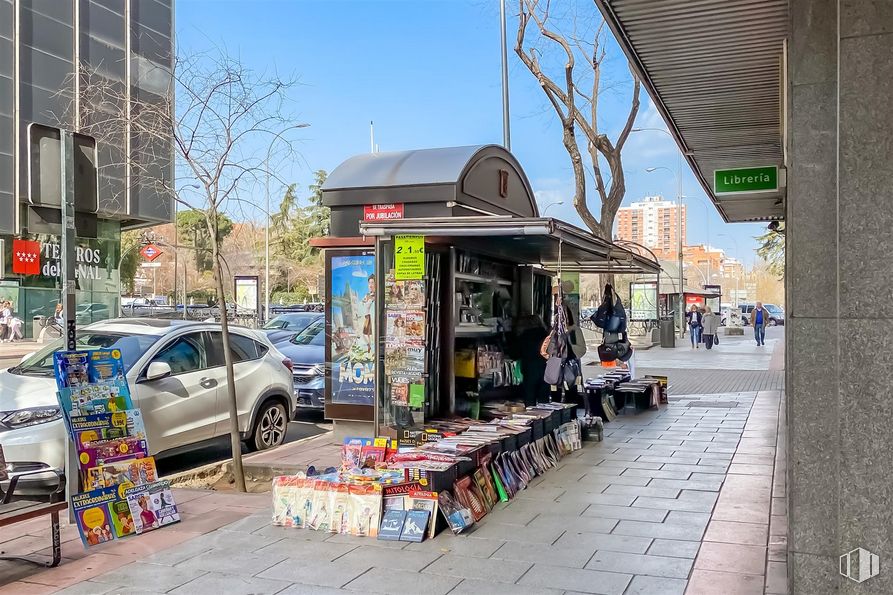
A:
17	511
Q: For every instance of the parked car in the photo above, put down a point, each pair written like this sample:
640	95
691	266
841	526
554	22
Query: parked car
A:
285	326
307	351
177	378
776	314
91	312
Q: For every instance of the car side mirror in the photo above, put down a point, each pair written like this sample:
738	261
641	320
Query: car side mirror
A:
158	370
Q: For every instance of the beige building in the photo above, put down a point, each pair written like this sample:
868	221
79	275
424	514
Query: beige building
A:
651	222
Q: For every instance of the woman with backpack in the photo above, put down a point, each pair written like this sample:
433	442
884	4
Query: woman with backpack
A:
694	318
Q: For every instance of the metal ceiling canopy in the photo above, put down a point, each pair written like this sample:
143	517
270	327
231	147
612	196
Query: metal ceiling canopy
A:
552	244
714	71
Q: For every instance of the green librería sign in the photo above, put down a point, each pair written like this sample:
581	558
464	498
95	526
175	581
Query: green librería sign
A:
747	179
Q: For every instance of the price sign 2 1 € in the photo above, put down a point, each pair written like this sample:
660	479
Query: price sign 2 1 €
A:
409	257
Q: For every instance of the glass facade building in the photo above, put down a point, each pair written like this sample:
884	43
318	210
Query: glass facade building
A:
52	52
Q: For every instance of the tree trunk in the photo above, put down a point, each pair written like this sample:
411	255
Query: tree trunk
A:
234	435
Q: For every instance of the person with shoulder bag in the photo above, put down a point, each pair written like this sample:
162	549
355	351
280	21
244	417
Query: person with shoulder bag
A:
694	318
710	322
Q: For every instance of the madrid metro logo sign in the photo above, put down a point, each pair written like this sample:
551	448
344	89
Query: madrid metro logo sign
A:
150	252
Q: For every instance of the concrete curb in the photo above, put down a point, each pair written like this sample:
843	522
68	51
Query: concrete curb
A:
253	471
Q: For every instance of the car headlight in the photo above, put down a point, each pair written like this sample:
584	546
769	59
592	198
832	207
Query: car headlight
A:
30	417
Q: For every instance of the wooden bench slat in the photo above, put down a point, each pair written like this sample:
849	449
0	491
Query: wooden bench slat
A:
26	510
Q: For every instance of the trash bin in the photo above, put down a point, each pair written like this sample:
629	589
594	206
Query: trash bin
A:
36	326
667	332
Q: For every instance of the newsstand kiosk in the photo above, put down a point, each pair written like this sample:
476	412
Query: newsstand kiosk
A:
435	258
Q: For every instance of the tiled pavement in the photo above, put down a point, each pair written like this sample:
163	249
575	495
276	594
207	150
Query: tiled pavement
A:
688	499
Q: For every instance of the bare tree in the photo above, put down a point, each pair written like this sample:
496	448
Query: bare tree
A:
574	95
220	118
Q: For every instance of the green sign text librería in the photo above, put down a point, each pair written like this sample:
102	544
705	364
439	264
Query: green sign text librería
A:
743	180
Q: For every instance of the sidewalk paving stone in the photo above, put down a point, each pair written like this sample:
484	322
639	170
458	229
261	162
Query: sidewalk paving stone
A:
600	541
626	512
655	492
741	533
478	587
727	557
583	581
496	570
400	582
674	548
243	564
463	545
324	574
140	574
580	523
652	585
637	564
708	582
572	557
380	557
230	584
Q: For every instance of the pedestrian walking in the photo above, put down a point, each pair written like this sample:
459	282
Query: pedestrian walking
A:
710	323
695	320
758	318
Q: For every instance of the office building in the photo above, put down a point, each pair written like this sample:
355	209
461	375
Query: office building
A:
46	47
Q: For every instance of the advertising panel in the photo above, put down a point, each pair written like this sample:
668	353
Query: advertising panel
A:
352	323
643	301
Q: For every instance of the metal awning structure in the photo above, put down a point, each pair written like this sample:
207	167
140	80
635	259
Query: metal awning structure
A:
552	244
714	69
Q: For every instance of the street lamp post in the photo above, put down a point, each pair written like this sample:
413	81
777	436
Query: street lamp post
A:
738	259
550	205
679	222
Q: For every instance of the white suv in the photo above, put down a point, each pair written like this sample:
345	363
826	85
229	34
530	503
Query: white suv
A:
183	397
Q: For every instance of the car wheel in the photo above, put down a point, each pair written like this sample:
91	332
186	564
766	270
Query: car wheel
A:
773	322
270	427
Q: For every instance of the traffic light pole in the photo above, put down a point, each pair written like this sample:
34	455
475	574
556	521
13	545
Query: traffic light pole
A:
68	291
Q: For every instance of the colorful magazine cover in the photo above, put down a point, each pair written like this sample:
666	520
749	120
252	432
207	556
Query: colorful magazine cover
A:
71	368
106	366
365	509
418	500
134	471
107	426
99	452
152	506
91	382
95	516
392	525
414	526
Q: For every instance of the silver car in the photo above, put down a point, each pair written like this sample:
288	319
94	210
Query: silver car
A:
177	378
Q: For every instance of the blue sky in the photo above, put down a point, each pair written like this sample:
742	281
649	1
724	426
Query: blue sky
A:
427	72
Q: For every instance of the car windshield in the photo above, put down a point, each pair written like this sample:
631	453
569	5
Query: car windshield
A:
293	321
773	308
315	334
131	346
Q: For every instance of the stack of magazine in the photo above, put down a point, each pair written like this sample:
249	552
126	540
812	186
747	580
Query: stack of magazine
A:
121	494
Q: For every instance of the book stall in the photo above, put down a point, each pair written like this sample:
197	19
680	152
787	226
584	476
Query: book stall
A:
120	494
438	304
451	474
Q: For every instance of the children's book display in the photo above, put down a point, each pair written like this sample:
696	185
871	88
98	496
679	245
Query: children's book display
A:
121	495
449	474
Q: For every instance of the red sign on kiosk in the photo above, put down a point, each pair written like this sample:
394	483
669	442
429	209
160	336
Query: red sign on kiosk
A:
383	212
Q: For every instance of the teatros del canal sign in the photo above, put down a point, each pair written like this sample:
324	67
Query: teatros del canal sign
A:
745	180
